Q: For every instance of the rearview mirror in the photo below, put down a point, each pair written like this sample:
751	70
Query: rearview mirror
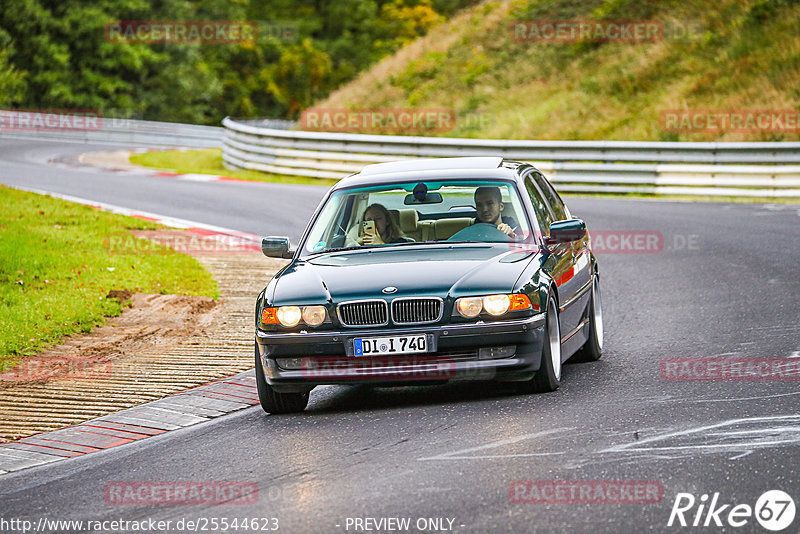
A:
566	231
427	198
276	247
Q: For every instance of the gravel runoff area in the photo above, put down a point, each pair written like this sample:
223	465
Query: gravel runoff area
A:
162	345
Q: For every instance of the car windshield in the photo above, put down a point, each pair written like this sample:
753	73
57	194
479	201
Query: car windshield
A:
394	215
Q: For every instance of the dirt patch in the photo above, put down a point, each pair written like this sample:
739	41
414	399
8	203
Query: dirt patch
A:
152	321
114	160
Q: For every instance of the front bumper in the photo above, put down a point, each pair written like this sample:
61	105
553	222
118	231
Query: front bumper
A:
327	357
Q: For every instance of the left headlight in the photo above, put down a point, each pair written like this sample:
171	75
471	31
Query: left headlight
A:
494	305
290	316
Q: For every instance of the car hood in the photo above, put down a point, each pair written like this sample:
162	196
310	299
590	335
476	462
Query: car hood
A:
455	271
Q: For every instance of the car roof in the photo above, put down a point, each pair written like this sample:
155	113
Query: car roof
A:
467	168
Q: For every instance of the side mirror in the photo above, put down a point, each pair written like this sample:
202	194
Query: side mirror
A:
566	231
276	247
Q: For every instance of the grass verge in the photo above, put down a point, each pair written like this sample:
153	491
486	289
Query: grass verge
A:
209	161
57	266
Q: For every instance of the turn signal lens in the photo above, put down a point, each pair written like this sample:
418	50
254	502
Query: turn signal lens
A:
496	304
519	301
469	307
314	315
289	315
269	316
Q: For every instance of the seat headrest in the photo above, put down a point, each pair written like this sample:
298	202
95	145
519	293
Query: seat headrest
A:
408	220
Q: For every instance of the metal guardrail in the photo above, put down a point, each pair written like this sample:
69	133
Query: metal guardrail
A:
104	130
677	168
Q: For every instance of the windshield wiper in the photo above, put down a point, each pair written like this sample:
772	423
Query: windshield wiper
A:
343	249
381	246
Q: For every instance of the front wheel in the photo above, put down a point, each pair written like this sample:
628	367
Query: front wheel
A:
271	400
548	377
592	350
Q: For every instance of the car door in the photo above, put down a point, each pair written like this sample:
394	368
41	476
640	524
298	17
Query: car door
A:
562	261
576	280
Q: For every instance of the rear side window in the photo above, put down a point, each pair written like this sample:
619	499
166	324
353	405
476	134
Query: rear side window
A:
543	215
559	210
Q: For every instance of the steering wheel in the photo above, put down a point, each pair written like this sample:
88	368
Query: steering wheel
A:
480	232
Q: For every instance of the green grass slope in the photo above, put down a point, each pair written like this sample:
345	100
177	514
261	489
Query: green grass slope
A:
733	55
57	264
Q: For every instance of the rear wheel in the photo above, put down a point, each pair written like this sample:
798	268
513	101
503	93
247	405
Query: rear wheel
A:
592	350
548	377
271	400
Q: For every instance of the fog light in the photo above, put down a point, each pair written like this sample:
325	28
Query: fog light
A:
491	353
496	304
290	363
469	307
314	315
289	315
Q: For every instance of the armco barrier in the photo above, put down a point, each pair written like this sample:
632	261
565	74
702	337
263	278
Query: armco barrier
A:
111	131
677	168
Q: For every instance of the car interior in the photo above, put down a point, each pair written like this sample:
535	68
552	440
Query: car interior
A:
440	219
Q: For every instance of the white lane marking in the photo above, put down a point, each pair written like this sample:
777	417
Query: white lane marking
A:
795	354
458	455
490	456
194	177
172	222
765	435
740	398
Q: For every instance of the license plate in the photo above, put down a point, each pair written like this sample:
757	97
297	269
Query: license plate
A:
378	346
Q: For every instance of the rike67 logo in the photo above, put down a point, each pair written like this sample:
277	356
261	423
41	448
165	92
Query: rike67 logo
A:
774	510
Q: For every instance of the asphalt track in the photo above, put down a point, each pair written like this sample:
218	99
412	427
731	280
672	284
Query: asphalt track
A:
725	284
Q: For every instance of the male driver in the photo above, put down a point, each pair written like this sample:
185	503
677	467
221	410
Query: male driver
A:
489	205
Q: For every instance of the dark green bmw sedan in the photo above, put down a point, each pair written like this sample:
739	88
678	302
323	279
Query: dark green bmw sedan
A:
428	271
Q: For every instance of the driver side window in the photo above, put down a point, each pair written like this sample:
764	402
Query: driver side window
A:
543	215
559	209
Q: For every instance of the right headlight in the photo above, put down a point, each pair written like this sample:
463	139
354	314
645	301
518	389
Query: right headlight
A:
290	316
314	315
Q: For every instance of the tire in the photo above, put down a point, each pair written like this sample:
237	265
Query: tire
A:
592	350
274	402
548	377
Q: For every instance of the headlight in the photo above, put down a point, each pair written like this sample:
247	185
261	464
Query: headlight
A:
496	304
314	315
469	307
289	315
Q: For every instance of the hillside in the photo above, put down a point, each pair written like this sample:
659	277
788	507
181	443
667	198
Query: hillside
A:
709	56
